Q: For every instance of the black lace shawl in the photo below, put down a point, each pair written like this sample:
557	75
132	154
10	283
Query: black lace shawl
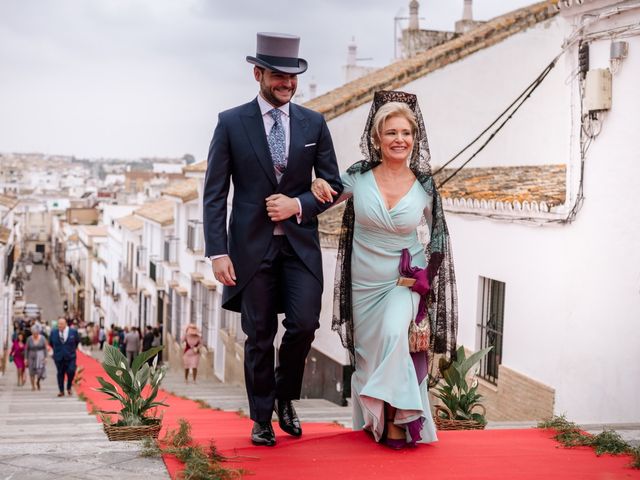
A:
442	300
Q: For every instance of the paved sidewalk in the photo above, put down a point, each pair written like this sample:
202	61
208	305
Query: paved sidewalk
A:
43	290
46	437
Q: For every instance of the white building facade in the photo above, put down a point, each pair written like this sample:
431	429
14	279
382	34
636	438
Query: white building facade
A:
558	291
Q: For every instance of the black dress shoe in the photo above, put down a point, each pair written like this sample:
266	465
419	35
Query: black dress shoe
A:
288	418
262	434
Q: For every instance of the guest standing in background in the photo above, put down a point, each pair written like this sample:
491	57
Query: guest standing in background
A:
36	354
17	353
191	356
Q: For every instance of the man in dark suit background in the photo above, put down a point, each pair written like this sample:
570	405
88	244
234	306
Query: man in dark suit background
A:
270	261
64	341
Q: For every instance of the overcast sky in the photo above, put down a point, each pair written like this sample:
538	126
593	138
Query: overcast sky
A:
135	78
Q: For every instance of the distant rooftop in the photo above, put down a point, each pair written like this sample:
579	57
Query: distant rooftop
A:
159	211
185	190
130	222
8	201
95	230
394	76
196	167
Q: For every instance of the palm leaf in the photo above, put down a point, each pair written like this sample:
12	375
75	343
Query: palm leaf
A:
113	357
144	356
468	363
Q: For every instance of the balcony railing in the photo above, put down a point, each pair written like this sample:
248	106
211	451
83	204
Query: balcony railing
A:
195	236
126	279
125	275
170	250
156	272
141	258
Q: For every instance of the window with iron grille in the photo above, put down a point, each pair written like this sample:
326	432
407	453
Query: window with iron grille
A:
195	234
491	326
207	315
141	257
152	270
170	250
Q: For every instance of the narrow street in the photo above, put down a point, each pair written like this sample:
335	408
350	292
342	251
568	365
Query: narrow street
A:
46	437
43	290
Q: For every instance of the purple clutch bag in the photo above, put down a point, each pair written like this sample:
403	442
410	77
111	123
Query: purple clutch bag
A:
422	285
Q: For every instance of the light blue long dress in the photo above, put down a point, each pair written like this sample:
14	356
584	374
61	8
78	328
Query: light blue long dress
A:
382	310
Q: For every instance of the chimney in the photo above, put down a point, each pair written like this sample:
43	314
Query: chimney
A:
352	53
414	22
313	89
467	13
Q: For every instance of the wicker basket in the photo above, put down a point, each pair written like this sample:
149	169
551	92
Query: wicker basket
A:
125	433
450	424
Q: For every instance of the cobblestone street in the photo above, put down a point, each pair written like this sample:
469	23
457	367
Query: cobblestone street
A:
46	437
43	290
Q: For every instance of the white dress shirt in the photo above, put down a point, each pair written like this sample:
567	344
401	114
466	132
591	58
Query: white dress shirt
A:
268	121
64	334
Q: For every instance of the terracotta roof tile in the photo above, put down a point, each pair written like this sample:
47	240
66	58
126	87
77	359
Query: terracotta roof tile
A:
95	230
196	167
8	201
329	225
4	234
540	184
394	76
159	211
130	222
541	187
186	190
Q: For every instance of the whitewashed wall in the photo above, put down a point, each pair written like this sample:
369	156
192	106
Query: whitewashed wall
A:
572	298
461	99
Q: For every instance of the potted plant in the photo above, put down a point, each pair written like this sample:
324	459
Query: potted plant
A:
134	419
460	398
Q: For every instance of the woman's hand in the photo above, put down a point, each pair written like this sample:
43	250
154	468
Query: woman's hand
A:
322	190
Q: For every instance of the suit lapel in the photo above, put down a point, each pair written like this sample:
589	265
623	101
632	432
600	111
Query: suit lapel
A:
254	127
298	124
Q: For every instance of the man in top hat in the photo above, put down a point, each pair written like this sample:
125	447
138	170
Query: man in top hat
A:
269	259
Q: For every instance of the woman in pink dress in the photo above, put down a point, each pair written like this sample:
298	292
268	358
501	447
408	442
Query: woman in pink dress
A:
191	357
17	351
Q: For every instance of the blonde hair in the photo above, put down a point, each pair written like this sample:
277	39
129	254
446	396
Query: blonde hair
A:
388	110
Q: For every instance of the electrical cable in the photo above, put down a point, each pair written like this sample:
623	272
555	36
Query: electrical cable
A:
518	102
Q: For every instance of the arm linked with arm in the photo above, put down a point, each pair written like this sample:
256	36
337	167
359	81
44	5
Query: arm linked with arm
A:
325	167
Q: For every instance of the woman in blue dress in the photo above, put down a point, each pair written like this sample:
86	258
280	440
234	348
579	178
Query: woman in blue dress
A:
393	206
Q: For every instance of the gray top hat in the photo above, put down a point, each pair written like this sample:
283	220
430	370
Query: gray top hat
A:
278	52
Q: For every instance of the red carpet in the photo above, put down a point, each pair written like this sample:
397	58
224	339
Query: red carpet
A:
328	451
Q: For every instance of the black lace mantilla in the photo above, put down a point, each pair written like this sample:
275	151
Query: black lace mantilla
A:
442	300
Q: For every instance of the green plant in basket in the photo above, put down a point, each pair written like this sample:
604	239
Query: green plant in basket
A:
455	392
130	382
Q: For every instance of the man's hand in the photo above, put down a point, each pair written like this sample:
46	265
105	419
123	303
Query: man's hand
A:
280	207
223	271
